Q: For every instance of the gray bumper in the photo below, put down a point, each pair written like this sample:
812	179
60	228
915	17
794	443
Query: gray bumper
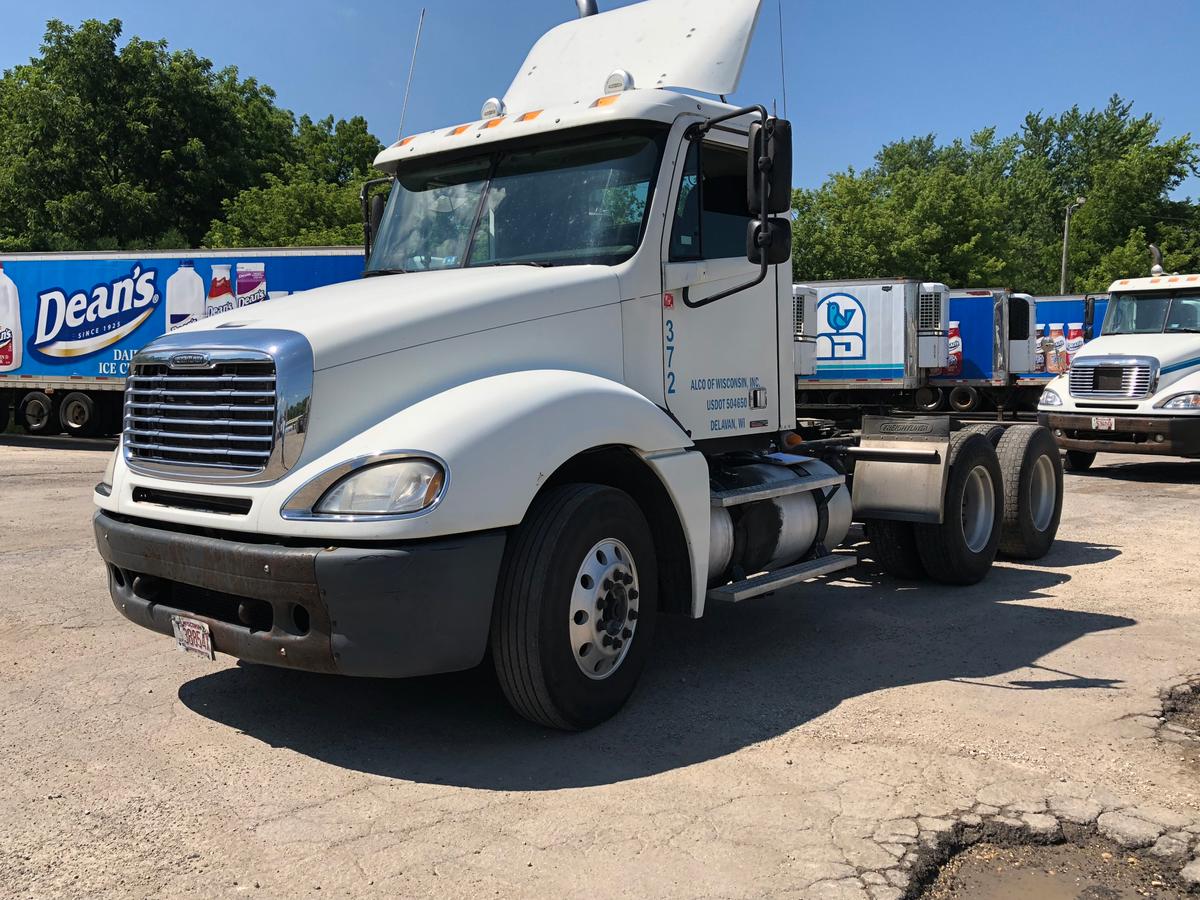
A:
1161	435
393	610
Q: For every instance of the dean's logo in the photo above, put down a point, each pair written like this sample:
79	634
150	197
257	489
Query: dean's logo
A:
85	322
842	328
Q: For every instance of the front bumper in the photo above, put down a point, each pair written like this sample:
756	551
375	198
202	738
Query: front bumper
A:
1161	435
383	610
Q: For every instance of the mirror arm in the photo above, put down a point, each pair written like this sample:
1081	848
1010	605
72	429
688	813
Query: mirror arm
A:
363	197
697	132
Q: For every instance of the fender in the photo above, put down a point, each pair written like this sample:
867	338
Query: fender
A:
501	438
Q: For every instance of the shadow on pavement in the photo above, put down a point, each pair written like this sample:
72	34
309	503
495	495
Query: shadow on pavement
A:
715	685
1067	554
57	443
1178	471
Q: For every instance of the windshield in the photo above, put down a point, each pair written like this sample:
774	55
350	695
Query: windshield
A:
568	203
1153	313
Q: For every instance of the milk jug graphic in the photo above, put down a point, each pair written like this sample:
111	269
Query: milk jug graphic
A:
10	324
185	296
220	292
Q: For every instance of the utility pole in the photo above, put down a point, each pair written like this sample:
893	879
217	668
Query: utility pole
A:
1071	207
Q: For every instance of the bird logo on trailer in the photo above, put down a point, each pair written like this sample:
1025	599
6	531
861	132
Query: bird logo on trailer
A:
842	322
85	322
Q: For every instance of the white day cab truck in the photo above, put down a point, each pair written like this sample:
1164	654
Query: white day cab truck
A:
1135	388
557	407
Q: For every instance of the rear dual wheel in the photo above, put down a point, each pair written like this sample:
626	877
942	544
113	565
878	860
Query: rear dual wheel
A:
37	413
1033	491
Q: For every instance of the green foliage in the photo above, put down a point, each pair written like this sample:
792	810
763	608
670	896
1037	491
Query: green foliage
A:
136	146
990	211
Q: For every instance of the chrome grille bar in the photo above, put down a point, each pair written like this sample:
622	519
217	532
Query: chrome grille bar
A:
1094	378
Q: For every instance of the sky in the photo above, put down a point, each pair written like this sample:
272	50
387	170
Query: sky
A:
859	73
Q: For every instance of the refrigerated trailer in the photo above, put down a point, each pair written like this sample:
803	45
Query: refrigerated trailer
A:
75	320
560	404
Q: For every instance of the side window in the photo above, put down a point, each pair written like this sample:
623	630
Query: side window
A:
1018	319
711	213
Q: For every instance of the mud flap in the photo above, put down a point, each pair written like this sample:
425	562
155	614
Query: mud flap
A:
900	468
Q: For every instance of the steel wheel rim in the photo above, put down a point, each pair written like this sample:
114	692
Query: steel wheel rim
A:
978	509
36	413
1042	492
75	414
604	609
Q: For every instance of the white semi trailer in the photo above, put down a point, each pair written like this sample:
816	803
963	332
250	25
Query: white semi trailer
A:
557	407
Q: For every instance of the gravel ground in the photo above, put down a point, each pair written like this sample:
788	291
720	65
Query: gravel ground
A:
785	747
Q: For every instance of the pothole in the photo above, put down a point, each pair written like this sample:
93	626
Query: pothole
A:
1087	868
1180	719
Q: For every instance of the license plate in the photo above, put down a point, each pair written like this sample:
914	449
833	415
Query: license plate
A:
1104	423
192	636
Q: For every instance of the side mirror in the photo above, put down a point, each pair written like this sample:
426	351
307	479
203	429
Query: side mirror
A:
770	153
378	203
774	239
372	211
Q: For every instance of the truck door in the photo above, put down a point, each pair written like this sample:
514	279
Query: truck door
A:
720	360
1022	340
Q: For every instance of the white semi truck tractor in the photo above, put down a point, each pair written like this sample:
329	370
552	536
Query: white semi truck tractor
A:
560	404
1135	388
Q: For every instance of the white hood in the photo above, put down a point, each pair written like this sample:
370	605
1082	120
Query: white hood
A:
360	319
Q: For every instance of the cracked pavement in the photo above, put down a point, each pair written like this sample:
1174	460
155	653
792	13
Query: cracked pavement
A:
808	744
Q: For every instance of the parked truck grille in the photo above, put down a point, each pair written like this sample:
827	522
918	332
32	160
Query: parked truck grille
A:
1111	381
222	417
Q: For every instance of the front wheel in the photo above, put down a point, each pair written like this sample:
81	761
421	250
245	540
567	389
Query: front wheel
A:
1079	460
575	606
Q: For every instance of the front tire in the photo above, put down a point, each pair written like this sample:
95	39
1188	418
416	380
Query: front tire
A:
575	606
1079	460
962	549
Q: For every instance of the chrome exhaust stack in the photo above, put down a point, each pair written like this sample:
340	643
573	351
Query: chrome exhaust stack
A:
586	8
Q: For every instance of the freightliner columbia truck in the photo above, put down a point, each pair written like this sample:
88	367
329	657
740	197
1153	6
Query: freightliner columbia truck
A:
559	405
1136	388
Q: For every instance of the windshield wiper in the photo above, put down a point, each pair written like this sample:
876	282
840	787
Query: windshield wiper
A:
536	263
371	273
1183	331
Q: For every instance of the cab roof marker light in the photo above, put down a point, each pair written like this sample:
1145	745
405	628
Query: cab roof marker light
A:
608	100
405	141
491	123
456	131
529	116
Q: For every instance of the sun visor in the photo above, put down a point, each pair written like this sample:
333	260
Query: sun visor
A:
693	45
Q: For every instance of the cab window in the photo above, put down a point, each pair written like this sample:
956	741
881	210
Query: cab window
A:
711	213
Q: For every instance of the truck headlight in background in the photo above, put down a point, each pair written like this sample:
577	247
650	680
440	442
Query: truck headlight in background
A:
1050	398
385	489
1182	401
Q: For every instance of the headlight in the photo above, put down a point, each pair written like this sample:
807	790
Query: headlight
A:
1049	398
385	489
1183	401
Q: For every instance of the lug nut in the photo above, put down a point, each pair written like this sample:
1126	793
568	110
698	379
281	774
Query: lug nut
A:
626	634
617	643
608	584
633	615
633	594
606	640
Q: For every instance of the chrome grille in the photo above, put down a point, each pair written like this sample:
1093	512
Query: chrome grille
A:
219	417
1112	379
929	312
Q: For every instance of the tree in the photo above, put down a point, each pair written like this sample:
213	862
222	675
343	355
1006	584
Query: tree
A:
989	211
104	148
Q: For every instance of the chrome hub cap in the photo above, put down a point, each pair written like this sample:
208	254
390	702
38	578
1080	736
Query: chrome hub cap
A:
604	609
1042	493
978	509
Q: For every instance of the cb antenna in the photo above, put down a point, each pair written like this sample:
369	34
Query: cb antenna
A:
411	66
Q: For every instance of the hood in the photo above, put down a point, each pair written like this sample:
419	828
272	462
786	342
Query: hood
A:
360	319
1176	353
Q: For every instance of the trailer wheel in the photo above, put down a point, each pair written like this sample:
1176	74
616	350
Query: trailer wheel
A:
77	415
575	606
989	430
1033	491
1079	460
37	413
964	398
928	399
894	547
961	550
